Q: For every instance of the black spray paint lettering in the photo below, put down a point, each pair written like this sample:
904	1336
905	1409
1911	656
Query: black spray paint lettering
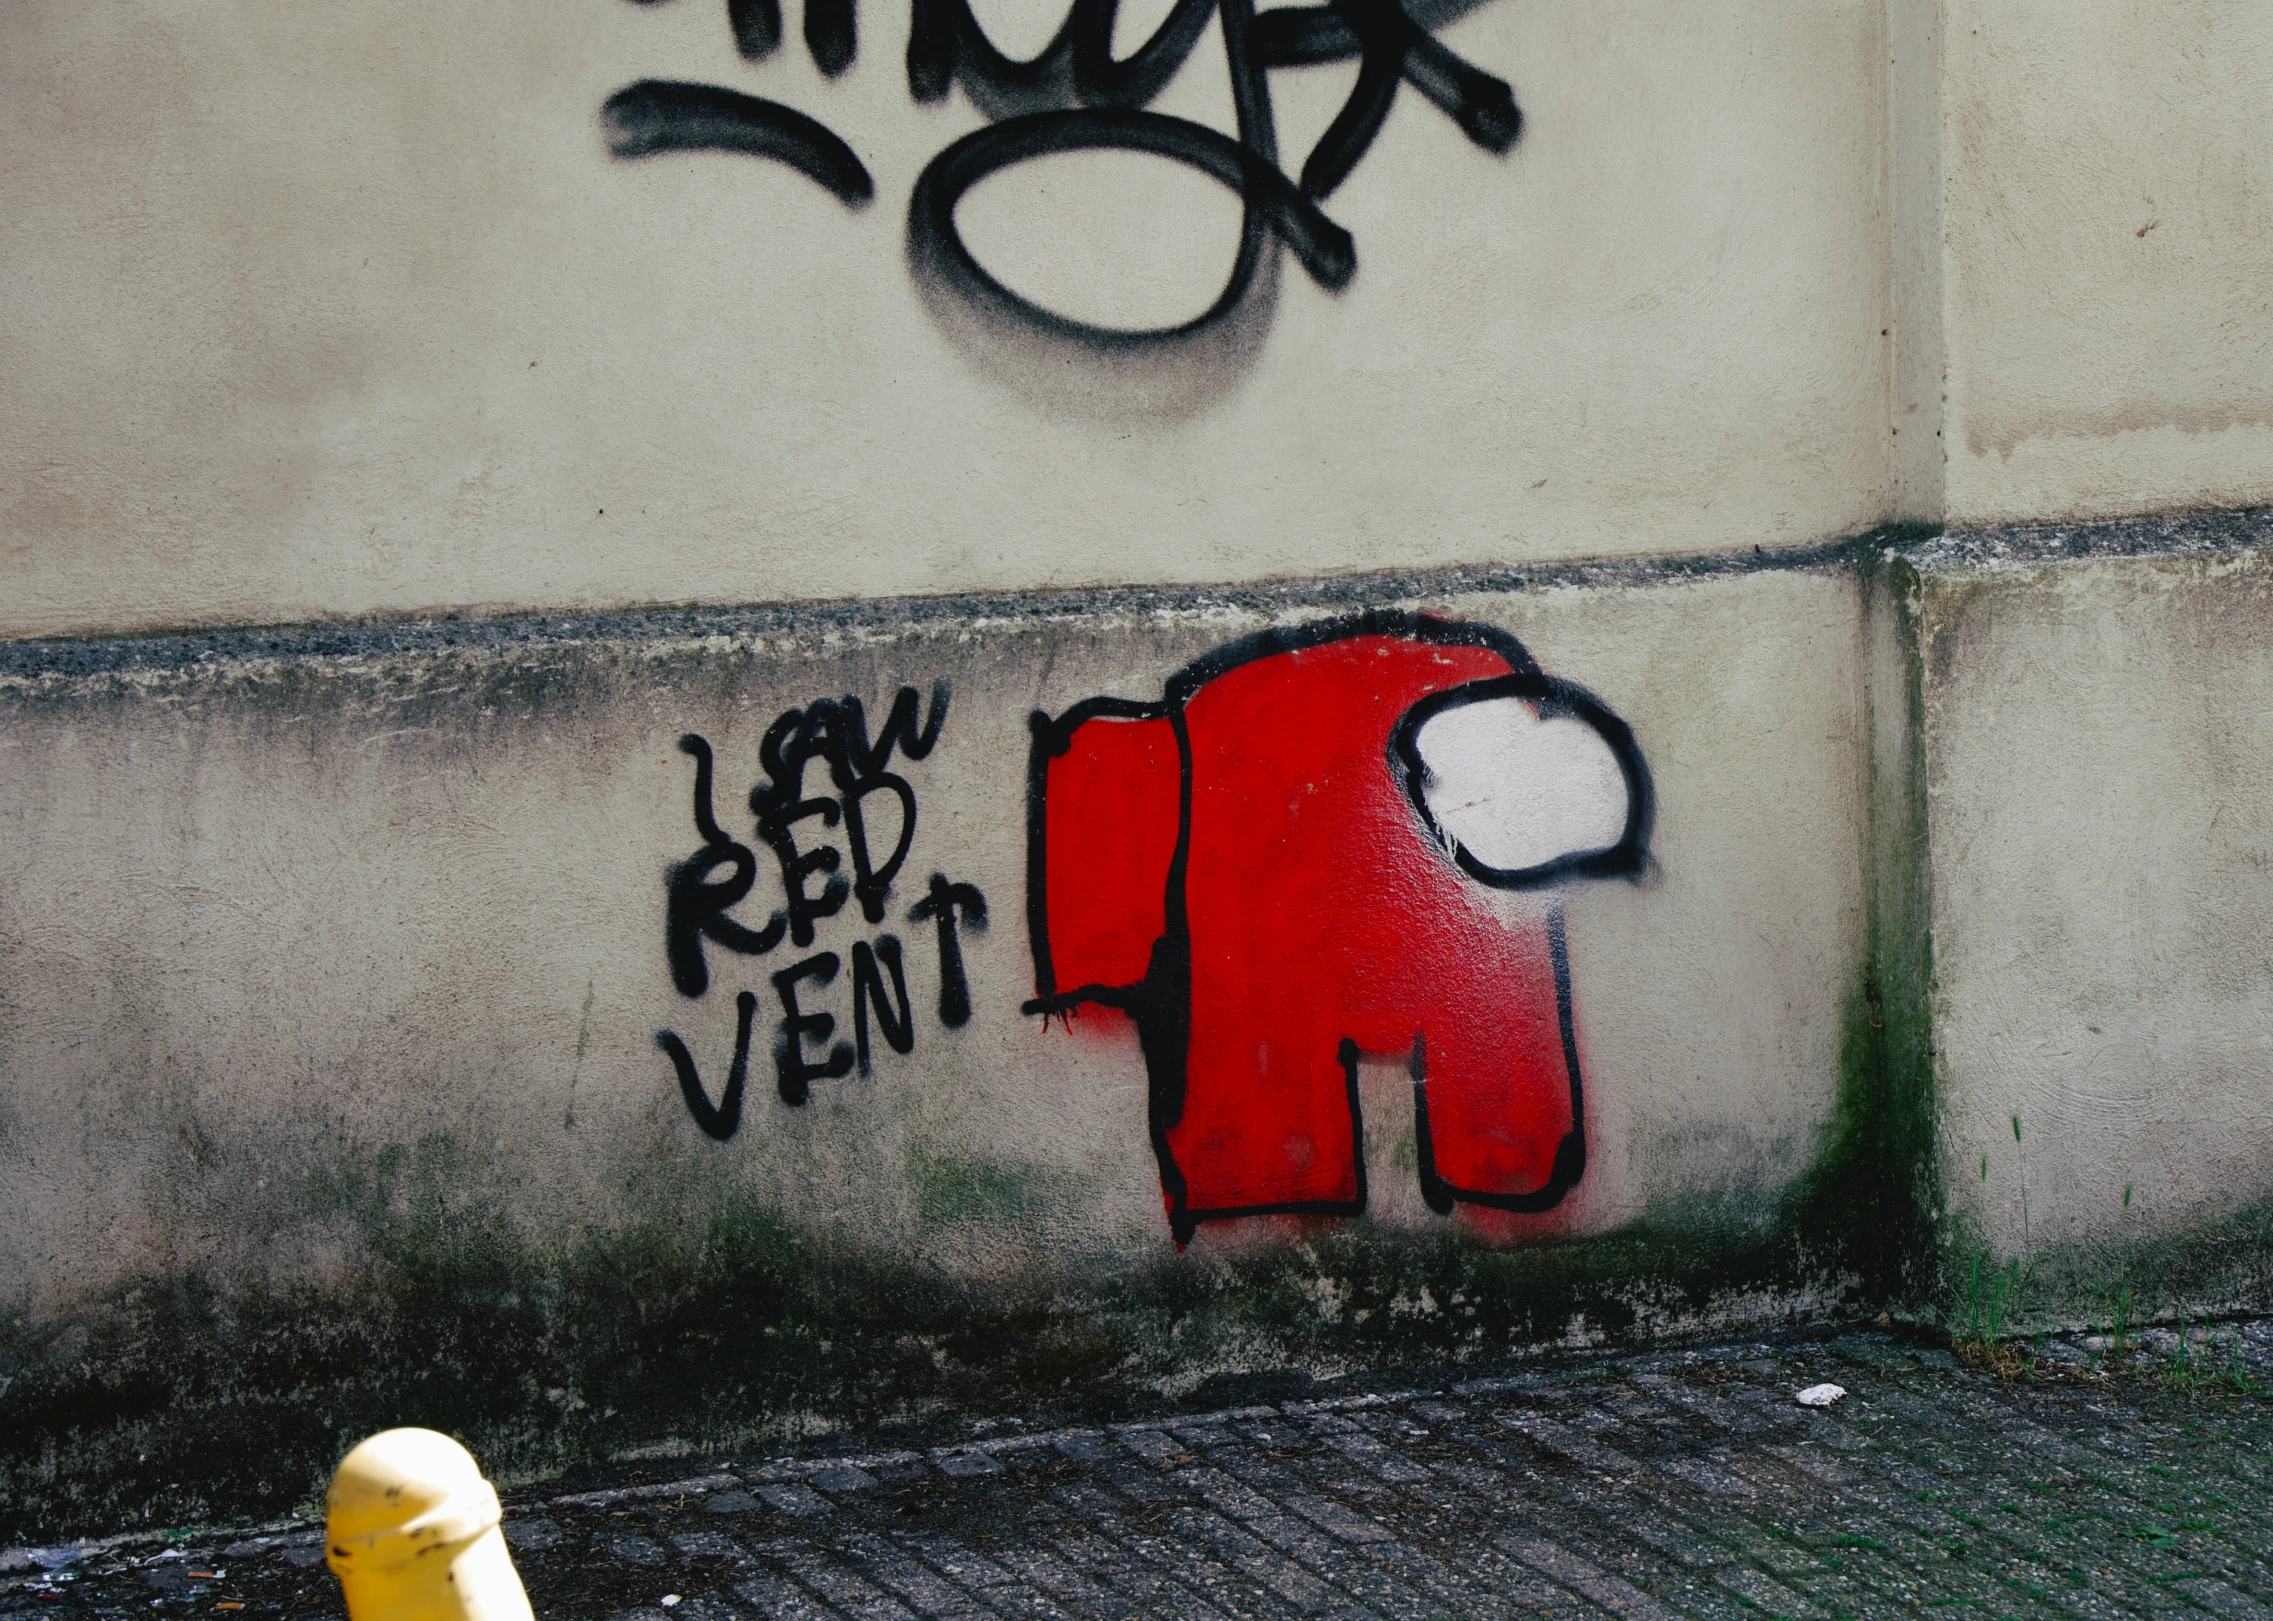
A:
838	734
1074	95
722	1120
653	116
897	1027
793	827
804	909
698	907
792	1067
943	906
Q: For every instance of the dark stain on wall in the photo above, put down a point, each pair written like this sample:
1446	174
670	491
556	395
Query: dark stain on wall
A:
179	1399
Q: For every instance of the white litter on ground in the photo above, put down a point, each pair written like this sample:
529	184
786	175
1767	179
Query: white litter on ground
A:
1821	1395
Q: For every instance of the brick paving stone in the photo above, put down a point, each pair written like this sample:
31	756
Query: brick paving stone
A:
1255	1553
1209	1555
914	1583
1621	1598
1664	1486
844	1590
771	1596
1195	1552
1924	1558
700	1543
2119	1509
792	1498
1149	1591
2222	1600
1068	1586
963	1465
1596	1517
1447	1587
1154	1446
958	1561
842	1479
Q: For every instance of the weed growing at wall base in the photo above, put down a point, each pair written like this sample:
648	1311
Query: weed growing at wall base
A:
1982	1329
1983	1336
2210	1368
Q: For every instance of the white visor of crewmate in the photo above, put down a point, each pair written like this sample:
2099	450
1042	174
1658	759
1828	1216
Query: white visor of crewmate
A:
1525	780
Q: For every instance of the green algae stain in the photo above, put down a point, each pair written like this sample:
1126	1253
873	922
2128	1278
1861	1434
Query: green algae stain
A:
2219	1263
946	1189
181	1399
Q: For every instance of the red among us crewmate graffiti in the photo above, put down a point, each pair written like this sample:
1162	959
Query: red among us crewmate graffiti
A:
1283	867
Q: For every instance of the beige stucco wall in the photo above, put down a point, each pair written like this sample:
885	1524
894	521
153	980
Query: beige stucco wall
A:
2106	232
318	313
2101	808
355	903
322	310
347	313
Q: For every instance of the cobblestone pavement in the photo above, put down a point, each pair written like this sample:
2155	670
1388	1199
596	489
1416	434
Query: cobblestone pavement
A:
1642	1487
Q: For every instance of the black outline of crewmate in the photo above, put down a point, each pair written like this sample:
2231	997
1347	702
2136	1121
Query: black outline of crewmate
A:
1074	95
1160	1003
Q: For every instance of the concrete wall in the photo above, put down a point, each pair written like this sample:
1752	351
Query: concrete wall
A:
2106	227
379	899
300	330
555	401
2093	753
361	1044
327	313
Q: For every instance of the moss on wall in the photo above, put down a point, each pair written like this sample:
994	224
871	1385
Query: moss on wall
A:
182	1398
1887	1091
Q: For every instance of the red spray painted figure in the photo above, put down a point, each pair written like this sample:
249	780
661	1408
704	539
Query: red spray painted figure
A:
1283	866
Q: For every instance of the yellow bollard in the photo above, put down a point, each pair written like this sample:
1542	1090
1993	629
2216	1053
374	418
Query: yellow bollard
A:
410	1530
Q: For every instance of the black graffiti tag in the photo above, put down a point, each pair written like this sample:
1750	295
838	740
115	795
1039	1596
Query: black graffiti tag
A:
1075	95
837	733
698	907
944	905
792	825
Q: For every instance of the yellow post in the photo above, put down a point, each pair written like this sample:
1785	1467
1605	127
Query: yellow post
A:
410	1530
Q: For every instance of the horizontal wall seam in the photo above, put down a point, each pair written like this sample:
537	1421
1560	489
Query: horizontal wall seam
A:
1928	548
2182	534
436	634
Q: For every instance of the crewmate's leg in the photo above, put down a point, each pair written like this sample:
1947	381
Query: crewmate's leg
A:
1269	1118
1496	1084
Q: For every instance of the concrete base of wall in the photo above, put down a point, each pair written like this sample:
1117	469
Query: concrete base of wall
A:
2097	739
333	963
